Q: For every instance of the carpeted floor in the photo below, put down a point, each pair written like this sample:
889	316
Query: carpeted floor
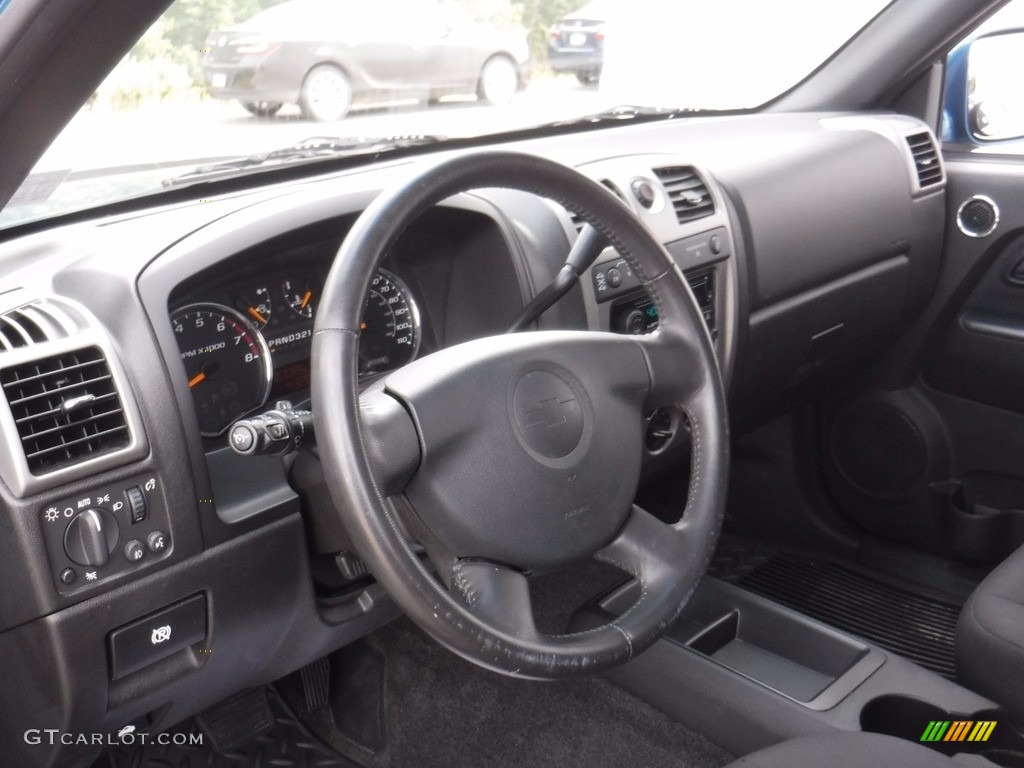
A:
397	699
443	711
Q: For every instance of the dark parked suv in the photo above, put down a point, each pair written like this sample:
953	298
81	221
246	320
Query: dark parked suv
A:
327	56
576	43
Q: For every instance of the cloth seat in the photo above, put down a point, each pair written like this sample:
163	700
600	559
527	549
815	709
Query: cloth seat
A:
845	749
990	637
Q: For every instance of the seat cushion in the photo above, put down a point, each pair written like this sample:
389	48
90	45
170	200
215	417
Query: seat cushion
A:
845	749
990	636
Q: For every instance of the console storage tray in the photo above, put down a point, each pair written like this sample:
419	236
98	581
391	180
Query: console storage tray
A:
780	649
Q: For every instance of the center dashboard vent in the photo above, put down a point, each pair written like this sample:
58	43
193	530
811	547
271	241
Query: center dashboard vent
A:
687	191
66	409
926	159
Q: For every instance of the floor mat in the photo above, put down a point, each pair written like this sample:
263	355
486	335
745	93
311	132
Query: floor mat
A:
287	744
918	627
443	711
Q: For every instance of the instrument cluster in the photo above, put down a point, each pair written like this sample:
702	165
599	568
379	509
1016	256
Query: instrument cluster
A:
249	341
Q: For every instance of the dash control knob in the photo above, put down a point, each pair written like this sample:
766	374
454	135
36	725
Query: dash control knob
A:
633	323
157	541
134	551
90	537
643	191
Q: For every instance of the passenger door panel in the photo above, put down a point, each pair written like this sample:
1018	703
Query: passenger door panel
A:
928	450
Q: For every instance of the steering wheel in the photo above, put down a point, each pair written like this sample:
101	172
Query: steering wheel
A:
518	454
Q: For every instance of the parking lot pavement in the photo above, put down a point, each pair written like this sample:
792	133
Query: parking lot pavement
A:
186	131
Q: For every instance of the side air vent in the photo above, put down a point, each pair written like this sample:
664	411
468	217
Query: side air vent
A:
926	159
687	191
34	323
66	409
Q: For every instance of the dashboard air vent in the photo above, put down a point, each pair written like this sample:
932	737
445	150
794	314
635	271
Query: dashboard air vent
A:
66	408
926	159
39	321
687	191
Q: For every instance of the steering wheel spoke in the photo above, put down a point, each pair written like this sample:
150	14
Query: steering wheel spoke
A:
389	439
647	548
674	364
497	595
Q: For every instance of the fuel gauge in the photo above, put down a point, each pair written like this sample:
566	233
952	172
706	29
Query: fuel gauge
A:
298	297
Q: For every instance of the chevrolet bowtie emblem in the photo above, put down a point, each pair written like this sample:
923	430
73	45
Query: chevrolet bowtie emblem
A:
550	414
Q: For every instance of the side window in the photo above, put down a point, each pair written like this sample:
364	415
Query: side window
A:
984	95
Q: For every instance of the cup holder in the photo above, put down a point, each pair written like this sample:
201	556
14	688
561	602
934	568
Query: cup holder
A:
915	720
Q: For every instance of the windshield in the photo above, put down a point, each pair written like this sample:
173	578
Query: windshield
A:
216	80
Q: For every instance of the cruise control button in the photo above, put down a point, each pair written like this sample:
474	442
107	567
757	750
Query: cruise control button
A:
134	551
157	541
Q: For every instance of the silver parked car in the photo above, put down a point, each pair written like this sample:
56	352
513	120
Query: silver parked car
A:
327	56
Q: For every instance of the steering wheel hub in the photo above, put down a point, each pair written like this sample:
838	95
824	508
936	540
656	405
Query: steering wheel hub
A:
520	463
550	412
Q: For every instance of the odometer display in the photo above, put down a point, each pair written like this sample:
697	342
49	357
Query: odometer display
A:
389	335
227	363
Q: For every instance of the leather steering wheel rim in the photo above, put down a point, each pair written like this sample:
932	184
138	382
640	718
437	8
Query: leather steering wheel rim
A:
376	444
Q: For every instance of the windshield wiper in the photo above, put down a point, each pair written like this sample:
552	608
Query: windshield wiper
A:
314	148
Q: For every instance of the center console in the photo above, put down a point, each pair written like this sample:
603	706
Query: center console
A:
736	657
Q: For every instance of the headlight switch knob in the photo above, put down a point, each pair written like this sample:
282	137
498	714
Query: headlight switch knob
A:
90	537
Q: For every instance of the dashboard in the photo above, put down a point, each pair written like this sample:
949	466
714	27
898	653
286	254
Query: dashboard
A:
201	314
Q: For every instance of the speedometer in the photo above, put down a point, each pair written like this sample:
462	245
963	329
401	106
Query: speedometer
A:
226	361
389	335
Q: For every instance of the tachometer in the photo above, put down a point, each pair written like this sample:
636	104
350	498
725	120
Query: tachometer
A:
227	363
390	332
